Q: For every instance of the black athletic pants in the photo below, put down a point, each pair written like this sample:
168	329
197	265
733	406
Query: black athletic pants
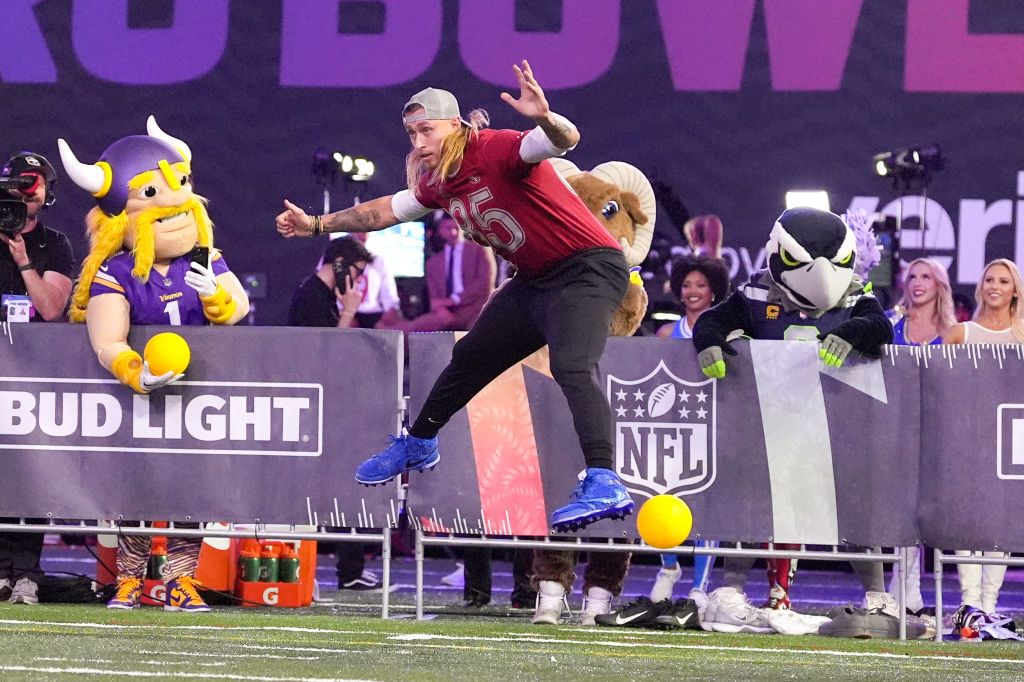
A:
569	308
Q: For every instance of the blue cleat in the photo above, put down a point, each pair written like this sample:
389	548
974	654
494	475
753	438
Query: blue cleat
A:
600	495
405	453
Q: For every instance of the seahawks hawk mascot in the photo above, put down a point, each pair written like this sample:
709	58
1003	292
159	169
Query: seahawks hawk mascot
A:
809	291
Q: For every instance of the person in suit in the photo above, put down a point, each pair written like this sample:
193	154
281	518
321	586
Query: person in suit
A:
460	279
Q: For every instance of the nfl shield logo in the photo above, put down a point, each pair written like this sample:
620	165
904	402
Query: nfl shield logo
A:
664	432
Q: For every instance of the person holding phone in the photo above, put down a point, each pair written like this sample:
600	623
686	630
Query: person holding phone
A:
331	295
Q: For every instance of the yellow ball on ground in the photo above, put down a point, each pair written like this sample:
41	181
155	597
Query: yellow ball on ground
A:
167	352
664	521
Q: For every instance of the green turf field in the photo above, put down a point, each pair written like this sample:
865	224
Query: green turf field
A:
89	642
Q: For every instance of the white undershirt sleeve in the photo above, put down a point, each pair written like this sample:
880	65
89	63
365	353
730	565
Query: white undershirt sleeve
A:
406	208
536	146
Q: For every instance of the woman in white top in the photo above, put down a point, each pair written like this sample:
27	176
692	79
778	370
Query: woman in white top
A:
999	318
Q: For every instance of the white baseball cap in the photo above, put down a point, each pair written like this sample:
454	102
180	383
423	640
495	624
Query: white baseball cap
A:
437	105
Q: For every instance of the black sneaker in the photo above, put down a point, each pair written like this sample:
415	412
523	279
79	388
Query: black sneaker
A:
365	581
683	615
641	612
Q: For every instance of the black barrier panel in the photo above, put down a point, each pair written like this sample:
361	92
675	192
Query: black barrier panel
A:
268	423
972	447
781	449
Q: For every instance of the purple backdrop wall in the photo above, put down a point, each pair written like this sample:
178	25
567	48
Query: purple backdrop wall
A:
732	102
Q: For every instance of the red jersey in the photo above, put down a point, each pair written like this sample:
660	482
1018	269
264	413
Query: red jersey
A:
524	211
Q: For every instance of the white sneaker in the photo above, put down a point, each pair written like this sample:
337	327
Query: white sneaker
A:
698	597
596	601
664	583
787	622
6	587
728	610
456	578
24	592
881	603
550	603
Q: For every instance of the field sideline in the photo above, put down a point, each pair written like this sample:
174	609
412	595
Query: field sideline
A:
92	643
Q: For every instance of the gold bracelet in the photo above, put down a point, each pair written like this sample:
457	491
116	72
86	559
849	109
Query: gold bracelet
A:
318	225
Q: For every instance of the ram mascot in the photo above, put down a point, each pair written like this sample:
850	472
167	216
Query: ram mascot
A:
621	198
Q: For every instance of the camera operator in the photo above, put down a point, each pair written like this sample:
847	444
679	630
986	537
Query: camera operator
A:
37	261
36	264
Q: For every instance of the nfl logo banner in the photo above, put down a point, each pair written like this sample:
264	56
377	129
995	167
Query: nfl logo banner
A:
664	432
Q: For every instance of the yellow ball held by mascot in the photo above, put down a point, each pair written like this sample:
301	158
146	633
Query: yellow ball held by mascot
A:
664	521
167	352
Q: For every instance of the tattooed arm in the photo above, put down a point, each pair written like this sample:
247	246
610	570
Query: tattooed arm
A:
366	217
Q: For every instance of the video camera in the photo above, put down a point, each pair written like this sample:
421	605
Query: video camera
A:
23	172
14	211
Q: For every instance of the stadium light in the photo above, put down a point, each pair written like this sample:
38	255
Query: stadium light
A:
814	198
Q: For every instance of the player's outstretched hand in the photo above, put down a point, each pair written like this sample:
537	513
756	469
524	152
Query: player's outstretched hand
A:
293	221
712	361
834	350
150	383
531	102
202	280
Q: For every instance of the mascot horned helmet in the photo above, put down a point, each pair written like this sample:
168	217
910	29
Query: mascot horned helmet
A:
811	257
108	179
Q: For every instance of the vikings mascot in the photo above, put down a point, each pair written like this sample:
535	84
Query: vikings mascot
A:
138	271
810	292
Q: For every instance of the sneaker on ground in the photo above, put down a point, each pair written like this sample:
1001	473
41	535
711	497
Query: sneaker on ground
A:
597	601
600	495
367	580
665	583
778	599
874	623
181	595
639	613
6	587
728	610
25	591
699	597
405	453
683	615
550	603
456	578
129	592
788	622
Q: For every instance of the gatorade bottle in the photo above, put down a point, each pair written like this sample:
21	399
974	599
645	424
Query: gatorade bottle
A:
249	565
157	559
289	565
268	564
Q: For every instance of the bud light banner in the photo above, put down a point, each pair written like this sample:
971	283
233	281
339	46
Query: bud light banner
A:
783	448
267	424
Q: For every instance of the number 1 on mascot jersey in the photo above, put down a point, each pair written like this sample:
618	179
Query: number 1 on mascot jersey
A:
139	271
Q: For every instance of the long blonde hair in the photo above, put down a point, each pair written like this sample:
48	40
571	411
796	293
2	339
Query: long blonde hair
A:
453	147
106	239
944	316
1016	309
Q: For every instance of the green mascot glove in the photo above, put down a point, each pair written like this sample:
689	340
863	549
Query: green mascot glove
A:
712	362
833	351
